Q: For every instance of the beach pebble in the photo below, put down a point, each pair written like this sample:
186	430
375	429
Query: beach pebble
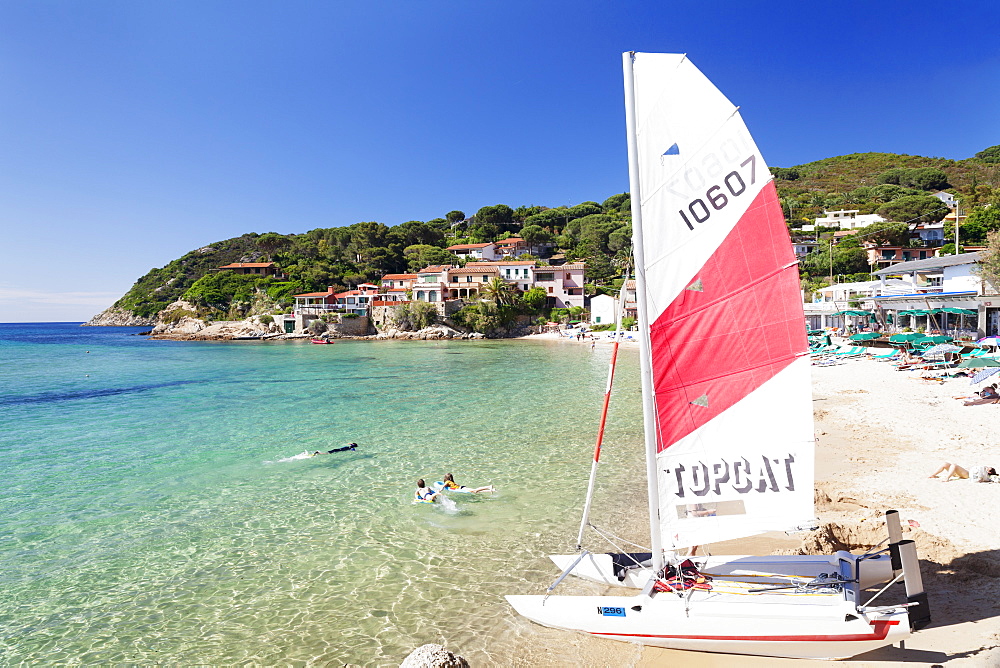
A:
433	656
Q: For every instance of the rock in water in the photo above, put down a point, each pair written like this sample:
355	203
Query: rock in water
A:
433	656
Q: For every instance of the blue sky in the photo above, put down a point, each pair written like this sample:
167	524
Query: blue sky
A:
133	132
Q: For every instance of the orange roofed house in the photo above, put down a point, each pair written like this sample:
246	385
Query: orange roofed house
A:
255	269
487	251
394	287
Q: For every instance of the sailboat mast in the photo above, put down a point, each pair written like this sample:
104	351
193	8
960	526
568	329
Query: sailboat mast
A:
645	355
619	316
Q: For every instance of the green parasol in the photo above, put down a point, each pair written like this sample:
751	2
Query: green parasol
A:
937	338
978	363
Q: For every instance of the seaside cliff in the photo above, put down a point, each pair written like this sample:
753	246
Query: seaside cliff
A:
119	317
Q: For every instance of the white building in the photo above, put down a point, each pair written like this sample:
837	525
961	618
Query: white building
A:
947	198
848	219
604	308
473	252
803	248
949	281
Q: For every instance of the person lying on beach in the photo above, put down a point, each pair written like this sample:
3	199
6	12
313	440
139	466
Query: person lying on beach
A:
978	474
424	494
352	447
449	484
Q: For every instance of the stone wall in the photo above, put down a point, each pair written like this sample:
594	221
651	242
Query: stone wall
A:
359	326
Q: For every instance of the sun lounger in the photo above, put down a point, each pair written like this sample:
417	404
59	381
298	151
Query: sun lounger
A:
853	351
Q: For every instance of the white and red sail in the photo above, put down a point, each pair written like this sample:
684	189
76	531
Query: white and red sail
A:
732	431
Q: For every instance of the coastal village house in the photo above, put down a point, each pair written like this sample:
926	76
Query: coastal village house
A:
446	286
254	268
604	308
466	282
487	251
512	247
563	284
395	286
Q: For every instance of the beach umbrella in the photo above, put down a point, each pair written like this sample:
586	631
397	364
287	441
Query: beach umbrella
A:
855	312
958	311
937	338
979	363
989	341
905	338
865	336
983	374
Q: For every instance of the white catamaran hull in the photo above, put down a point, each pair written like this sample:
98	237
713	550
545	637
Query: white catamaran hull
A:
764	570
772	628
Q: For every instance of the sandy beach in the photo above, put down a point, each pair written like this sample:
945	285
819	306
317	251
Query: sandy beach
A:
880	433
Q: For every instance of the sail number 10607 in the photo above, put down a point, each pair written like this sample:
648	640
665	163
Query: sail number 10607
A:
732	183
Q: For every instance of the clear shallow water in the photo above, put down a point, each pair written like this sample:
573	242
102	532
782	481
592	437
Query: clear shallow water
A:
153	507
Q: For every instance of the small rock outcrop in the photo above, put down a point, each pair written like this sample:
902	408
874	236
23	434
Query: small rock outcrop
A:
433	656
431	333
119	317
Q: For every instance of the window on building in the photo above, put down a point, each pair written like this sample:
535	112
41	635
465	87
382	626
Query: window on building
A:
545	277
432	296
508	272
550	289
597	320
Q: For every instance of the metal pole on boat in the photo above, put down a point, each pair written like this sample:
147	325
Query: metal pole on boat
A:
619	316
920	613
645	359
895	536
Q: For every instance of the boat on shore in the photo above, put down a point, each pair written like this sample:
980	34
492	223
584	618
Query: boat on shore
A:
727	410
321	341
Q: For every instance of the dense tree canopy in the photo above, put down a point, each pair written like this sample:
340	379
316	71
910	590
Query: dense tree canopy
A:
914	208
886	234
921	178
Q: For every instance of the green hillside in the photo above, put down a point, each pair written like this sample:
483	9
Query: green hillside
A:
850	181
897	186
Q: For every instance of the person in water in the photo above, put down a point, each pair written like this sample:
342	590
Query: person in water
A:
449	484
352	447
424	493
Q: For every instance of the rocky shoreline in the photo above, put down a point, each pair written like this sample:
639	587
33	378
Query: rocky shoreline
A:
119	317
192	329
174	324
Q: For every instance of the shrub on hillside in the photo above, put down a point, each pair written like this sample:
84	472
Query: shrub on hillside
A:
413	316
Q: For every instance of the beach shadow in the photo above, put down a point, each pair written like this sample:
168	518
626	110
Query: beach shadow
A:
959	591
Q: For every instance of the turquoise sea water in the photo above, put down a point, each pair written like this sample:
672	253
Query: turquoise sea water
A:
153	509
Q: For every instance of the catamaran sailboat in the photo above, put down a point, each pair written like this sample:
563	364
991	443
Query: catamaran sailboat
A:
727	409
